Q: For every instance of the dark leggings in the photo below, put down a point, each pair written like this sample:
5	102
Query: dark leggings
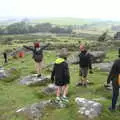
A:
115	96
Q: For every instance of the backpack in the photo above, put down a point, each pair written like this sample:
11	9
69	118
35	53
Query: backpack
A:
38	55
118	80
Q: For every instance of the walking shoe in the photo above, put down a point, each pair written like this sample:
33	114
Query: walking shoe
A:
85	85
65	99
58	99
39	75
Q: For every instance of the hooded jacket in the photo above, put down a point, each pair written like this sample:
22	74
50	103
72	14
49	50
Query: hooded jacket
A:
60	73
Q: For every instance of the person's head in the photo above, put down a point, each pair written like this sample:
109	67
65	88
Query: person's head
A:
63	53
82	47
36	44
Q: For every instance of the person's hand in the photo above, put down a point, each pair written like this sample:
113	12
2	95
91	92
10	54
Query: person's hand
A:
91	72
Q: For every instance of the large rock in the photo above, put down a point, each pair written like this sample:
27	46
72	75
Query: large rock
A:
50	89
3	73
6	73
34	80
105	67
96	56
33	112
36	111
88	108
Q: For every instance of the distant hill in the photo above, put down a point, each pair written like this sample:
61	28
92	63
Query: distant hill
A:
87	24
63	21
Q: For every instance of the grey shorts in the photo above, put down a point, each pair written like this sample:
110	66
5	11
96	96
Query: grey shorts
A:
84	72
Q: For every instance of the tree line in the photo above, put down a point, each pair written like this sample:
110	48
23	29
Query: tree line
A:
23	27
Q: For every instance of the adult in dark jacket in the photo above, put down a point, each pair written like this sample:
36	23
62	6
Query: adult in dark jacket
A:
37	56
113	77
60	75
85	64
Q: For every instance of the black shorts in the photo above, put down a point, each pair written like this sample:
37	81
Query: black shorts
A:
62	82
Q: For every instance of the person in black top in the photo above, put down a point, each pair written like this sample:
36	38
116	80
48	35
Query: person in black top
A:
5	57
85	64
113	77
60	76
37	56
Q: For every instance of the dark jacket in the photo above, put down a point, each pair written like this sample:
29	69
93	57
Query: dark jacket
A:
60	73
37	52
115	70
85	60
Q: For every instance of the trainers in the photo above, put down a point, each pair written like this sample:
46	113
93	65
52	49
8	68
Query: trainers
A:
58	99
39	75
85	85
65	99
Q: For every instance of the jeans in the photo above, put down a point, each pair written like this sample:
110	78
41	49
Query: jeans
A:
115	96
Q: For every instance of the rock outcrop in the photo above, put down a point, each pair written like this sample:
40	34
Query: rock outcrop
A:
88	108
34	80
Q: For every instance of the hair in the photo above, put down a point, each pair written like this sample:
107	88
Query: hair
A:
36	44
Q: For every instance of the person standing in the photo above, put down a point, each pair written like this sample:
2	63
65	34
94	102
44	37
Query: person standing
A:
85	64
114	77
37	56
5	57
61	77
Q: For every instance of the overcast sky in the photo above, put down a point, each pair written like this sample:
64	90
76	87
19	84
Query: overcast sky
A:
106	9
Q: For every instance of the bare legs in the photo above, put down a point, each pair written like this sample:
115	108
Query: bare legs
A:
62	90
38	67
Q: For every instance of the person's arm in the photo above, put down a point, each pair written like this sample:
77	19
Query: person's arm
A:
111	73
89	62
29	48
45	46
66	71
53	74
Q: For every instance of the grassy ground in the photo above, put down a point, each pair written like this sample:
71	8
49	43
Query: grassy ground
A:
14	96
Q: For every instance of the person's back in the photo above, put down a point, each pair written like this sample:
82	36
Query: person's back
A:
37	56
61	72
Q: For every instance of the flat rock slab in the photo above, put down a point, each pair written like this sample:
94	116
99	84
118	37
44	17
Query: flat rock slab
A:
88	108
34	80
36	111
50	89
6	73
33	112
3	73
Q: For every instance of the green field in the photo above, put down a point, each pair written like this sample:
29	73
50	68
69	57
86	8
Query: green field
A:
15	96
